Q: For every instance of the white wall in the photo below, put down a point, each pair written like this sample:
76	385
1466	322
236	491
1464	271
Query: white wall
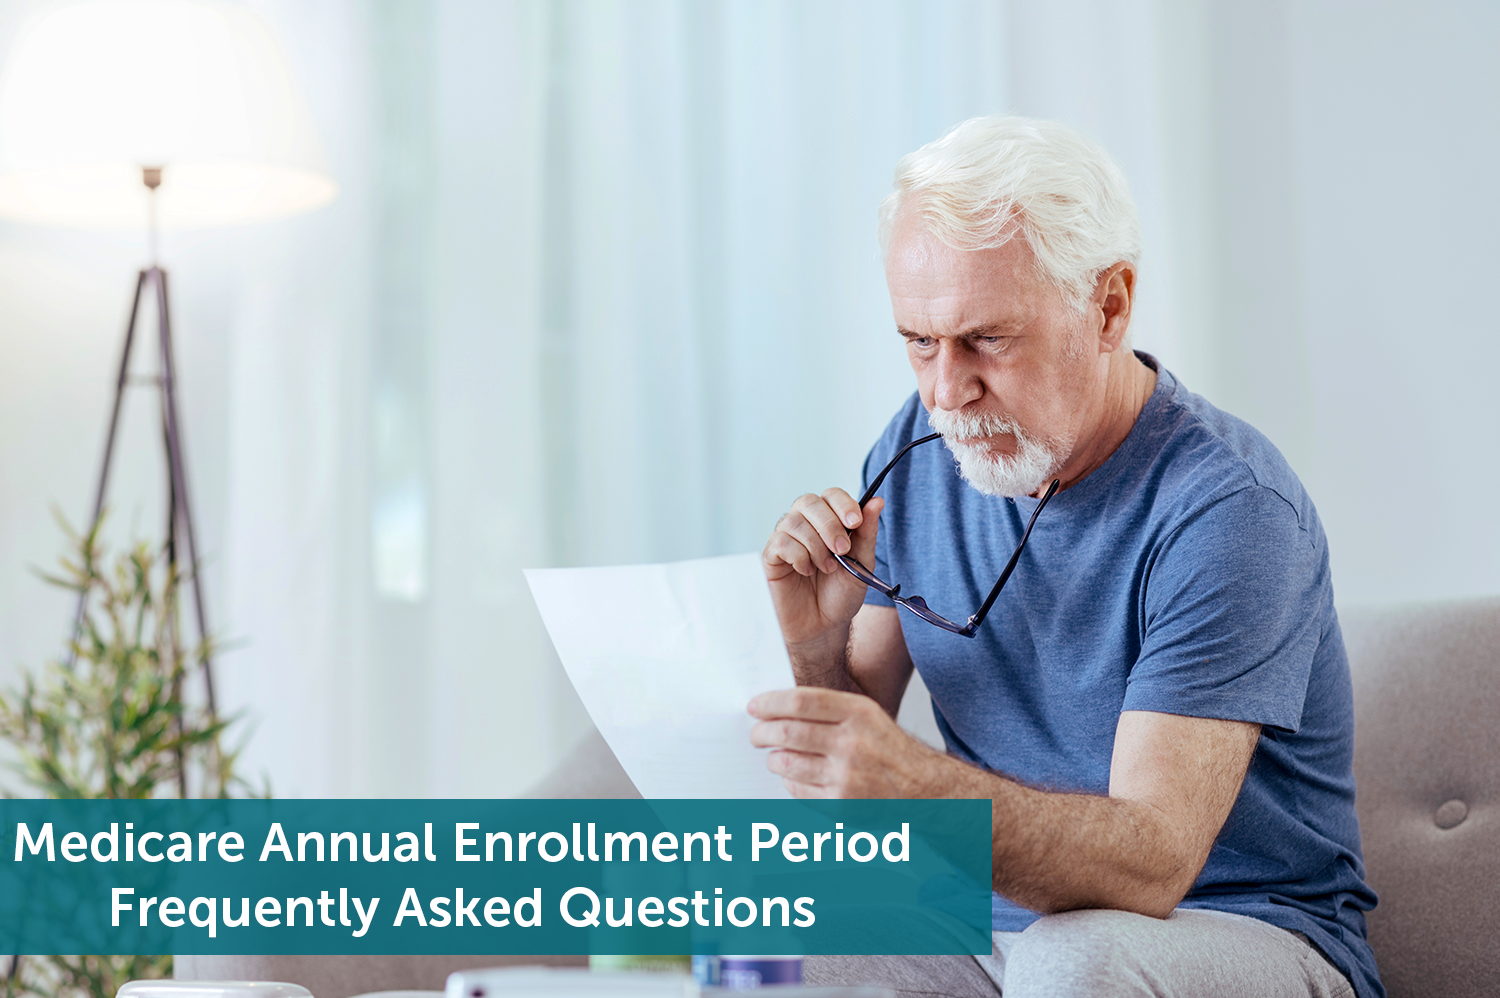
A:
1395	130
601	286
1314	180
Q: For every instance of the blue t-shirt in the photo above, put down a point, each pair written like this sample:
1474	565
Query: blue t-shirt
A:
1187	575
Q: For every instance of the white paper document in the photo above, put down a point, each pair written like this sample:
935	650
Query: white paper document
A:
665	658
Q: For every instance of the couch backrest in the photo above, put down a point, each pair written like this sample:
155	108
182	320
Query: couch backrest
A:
1427	762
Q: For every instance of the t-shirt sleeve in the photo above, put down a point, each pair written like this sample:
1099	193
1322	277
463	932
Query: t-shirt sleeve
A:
1232	615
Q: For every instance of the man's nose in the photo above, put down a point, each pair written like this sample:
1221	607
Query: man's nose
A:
957	383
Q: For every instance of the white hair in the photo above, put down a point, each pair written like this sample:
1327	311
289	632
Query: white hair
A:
989	179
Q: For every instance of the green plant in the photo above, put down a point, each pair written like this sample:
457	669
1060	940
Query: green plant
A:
111	720
70	976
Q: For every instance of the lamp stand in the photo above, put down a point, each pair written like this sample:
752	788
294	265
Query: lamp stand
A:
151	280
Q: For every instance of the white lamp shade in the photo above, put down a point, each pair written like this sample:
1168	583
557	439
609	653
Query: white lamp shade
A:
94	91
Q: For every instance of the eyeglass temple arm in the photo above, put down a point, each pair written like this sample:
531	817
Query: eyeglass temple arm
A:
870	492
1010	566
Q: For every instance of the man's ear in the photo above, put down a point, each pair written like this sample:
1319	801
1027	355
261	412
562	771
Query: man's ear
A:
1114	296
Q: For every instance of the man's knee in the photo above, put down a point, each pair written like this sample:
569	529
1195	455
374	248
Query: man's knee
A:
1079	953
1113	954
943	976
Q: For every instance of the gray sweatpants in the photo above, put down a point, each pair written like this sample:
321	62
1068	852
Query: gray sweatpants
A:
1104	954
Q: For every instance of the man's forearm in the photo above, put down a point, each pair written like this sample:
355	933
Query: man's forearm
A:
1060	851
1173	782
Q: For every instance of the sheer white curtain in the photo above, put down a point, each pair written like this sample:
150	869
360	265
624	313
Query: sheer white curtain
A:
603	287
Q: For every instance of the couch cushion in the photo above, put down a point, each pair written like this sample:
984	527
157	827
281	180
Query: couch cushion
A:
1427	762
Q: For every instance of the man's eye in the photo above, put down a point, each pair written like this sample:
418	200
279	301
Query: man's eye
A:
921	341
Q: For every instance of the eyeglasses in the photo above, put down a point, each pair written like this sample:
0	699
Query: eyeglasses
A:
917	604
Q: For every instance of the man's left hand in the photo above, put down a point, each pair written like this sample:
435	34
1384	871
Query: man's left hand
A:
827	743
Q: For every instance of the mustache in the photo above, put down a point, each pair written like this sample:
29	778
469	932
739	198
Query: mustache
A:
960	425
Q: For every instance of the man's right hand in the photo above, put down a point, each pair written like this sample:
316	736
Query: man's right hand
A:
815	598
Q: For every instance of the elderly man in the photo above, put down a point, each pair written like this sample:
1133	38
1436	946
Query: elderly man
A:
1159	702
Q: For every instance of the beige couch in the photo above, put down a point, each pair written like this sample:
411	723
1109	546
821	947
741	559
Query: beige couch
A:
1427	759
1427	765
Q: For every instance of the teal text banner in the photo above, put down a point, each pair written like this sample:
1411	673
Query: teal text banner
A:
495	876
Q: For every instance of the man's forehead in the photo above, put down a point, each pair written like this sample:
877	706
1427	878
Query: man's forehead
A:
929	278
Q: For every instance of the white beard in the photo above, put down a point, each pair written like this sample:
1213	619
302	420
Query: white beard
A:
1023	473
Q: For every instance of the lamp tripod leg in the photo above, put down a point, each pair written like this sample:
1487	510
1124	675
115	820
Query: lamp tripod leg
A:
179	506
109	451
182	508
171	621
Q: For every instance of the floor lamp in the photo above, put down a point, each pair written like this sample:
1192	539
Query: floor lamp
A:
154	114
153	281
